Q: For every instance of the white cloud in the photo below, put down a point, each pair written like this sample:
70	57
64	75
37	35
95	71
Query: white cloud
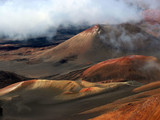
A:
24	18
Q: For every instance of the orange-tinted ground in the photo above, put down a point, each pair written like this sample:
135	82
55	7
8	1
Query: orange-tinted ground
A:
99	43
152	24
152	16
125	88
143	106
143	69
114	101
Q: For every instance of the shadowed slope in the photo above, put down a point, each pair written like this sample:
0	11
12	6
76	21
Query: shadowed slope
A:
142	106
143	69
55	91
20	98
106	41
101	42
150	28
117	101
96	44
74	48
7	78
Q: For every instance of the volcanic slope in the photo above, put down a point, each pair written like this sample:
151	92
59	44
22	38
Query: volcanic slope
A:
152	22
20	98
152	15
102	41
144	69
7	78
99	43
80	100
144	105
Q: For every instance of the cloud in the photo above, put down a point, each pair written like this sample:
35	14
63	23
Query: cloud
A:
148	4
20	19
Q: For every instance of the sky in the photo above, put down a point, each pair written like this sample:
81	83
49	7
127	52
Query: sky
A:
20	19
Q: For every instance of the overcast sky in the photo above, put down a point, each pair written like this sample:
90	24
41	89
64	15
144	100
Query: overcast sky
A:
24	18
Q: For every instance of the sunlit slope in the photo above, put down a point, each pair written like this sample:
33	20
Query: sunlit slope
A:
52	91
99	43
43	99
143	69
144	105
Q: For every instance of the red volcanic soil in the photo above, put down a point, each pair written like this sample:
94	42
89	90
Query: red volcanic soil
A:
147	109
92	29
99	43
143	69
152	16
144	105
152	22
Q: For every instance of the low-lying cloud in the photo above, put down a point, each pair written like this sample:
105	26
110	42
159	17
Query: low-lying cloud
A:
20	19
